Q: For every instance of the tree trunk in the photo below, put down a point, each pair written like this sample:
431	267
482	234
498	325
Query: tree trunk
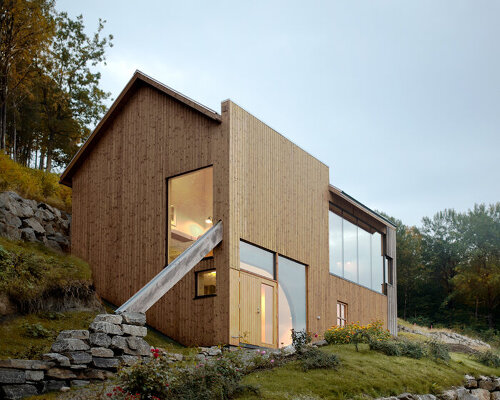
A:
3	111
14	134
42	160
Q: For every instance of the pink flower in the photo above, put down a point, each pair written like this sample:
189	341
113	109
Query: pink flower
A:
263	352
272	361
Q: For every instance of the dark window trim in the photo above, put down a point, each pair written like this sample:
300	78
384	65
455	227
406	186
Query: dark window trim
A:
355	283
167	207
341	212
196	295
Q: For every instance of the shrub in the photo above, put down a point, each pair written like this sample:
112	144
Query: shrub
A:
412	349
33	184
300	339
345	334
388	347
489	359
216	379
314	358
438	350
35	331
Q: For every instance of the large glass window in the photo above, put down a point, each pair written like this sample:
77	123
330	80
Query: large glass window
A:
291	298
256	260
335	238
355	253
190	209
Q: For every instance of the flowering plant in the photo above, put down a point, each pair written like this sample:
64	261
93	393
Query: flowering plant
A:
354	332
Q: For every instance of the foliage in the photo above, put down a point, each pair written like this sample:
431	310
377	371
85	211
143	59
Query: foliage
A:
216	379
300	339
31	272
313	358
489	358
437	350
33	184
449	269
49	89
36	331
412	349
364	374
345	334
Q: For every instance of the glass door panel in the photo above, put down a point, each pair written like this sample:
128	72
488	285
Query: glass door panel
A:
267	313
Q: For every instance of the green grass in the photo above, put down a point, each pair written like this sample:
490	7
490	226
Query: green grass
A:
364	373
15	343
30	272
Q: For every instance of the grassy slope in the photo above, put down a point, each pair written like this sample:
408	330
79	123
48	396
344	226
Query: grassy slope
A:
33	184
365	373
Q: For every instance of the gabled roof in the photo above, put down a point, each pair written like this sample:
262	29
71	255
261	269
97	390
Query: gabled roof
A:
138	78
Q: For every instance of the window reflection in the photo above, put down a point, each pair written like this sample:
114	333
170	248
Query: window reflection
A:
355	253
256	260
291	298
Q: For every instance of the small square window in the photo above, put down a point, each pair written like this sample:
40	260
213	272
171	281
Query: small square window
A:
206	283
341	314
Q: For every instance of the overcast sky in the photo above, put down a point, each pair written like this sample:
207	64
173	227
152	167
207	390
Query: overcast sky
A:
401	99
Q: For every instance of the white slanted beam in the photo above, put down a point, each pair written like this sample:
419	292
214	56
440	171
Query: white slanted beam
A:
145	298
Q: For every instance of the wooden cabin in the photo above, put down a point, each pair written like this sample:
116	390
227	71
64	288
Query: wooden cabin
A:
160	170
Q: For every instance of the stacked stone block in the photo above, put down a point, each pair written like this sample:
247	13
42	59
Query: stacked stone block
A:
79	357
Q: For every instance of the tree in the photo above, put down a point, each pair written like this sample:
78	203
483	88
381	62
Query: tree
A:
26	27
71	97
477	281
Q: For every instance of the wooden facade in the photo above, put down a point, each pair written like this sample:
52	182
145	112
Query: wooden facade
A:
267	191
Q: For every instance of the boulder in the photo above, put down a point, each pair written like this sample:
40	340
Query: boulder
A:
16	205
49	229
214	351
481	394
28	235
79	357
495	396
470	382
53	210
24	364
100	340
134	330
44	215
106	363
63	361
17	391
106	327
140	346
134	318
10	219
120	343
448	395
67	345
32	375
12	376
10	231
33	224
487	384
60	373
74	334
111	318
101	352
54	245
128	359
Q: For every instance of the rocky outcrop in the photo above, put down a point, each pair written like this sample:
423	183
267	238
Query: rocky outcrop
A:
78	357
451	338
480	388
32	221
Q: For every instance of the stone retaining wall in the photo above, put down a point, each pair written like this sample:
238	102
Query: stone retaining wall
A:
32	221
446	337
480	388
78	357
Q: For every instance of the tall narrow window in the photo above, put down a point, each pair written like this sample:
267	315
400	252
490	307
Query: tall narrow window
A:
377	263
335	238
291	298
267	313
190	209
341	314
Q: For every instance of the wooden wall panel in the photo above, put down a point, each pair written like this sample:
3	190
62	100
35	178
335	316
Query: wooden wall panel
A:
119	210
280	201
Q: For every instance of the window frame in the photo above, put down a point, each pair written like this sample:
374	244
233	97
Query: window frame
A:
339	318
196	278
167	218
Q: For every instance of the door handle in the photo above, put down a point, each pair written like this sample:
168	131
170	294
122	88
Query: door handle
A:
258	310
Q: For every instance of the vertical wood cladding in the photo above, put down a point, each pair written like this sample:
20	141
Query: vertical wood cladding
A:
280	200
119	210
